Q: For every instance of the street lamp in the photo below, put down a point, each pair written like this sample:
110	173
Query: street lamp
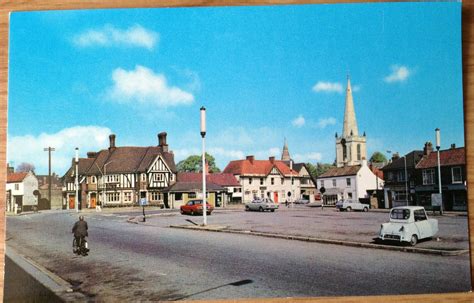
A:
438	146
104	185
77	180
203	135
292	193
406	175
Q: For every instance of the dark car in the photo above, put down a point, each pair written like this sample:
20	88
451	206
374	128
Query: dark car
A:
194	207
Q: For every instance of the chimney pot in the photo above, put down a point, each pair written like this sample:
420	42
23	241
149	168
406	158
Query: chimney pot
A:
428	148
162	141
251	159
272	159
112	141
453	146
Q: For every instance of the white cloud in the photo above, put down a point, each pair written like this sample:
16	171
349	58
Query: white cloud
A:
299	121
323	122
356	88
29	148
399	74
308	157
143	86
328	87
226	153
135	36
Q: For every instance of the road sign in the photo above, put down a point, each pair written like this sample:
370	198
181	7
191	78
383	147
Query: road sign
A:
143	202
436	199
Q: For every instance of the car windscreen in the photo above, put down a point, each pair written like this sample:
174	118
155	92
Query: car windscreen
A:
400	214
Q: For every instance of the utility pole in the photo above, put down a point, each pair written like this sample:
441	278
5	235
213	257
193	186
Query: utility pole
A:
49	150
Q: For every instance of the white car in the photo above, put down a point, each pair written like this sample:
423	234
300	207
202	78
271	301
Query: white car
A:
351	205
261	205
408	224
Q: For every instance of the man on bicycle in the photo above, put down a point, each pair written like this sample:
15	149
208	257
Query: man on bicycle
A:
80	233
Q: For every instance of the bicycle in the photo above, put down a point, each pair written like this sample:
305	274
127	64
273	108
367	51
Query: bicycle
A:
81	248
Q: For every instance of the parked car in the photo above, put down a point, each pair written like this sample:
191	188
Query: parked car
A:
301	201
261	205
350	205
194	207
408	224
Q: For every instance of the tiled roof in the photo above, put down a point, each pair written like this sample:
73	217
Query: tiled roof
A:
341	171
448	157
16	177
412	158
257	167
222	179
194	187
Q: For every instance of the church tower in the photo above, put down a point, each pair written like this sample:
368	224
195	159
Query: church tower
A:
350	147
285	155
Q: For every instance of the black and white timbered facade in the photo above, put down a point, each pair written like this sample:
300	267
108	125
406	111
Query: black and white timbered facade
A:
120	176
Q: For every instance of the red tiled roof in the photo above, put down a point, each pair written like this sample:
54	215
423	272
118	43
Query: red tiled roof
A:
16	177
257	167
222	179
341	171
448	157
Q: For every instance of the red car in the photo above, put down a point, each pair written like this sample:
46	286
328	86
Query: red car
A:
194	207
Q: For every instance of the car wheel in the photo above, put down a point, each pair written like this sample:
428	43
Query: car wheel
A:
260	209
366	209
413	240
272	210
349	209
192	213
247	208
340	209
208	213
182	212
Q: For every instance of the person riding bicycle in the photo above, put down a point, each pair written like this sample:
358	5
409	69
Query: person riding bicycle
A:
80	233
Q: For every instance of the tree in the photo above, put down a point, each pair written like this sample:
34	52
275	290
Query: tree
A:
193	163
319	168
25	167
378	157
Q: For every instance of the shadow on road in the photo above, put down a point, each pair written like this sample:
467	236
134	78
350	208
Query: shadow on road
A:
238	283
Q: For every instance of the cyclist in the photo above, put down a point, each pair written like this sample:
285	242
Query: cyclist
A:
80	233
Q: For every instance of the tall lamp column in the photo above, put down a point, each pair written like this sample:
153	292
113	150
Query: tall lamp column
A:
203	135
77	180
438	146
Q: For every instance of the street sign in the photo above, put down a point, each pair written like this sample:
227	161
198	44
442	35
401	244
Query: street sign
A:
436	199
143	202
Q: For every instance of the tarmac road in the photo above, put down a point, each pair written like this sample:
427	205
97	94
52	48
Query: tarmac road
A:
149	261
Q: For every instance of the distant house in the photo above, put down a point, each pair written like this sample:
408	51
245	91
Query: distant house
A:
221	188
307	182
56	192
265	178
348	182
399	188
120	176
22	191
453	178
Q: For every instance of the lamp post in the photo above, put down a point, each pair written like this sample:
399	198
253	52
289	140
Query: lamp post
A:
438	146
77	180
292	193
203	135
49	150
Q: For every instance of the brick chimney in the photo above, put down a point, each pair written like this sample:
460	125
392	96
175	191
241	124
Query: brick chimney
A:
251	159
395	156
91	155
428	148
10	169
162	142
272	160
112	141
453	146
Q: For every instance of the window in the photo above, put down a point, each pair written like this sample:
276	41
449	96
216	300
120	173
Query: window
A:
292	181
322	183
262	181
358	152
400	214
143	177
348	181
156	196
457	174
349	195
127	196
401	176
419	215
272	181
237	190
250	181
428	176
333	182
262	194
93	180
112	178
113	197
17	186
192	195
282	181
178	196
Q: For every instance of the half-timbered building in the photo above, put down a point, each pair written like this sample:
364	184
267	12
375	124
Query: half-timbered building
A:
120	176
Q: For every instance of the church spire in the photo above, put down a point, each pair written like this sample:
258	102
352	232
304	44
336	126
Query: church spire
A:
285	155
350	122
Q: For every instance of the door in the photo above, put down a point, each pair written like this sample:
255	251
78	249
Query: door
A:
275	197
72	199
93	201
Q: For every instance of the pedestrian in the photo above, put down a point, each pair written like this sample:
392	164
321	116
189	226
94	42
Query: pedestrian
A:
286	202
97	207
80	233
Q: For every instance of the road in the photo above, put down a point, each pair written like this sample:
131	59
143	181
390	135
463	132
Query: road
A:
149	261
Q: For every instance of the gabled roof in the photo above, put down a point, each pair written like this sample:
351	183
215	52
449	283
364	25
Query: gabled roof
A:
221	179
412	158
257	167
16	177
341	171
448	157
194	187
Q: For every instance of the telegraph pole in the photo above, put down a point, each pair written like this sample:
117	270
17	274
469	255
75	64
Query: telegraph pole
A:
49	150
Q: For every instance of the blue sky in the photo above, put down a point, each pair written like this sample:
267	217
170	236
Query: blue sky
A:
264	74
